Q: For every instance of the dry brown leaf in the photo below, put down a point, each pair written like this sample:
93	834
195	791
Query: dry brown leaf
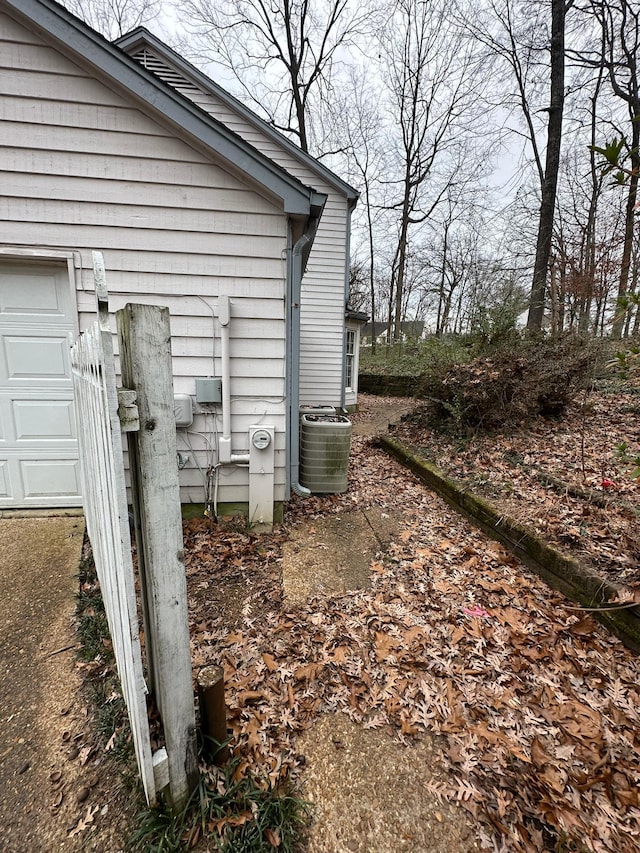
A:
84	822
308	671
385	646
538	754
581	721
554	777
270	662
273	837
521	699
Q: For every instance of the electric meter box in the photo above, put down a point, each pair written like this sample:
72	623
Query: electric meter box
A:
183	410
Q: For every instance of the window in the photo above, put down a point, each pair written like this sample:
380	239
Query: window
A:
350	371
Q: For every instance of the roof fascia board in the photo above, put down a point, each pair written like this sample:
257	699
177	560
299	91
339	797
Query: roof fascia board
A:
141	37
55	23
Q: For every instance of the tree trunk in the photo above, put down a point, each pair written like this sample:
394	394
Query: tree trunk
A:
372	277
633	290
590	237
555	326
443	270
552	165
402	263
629	226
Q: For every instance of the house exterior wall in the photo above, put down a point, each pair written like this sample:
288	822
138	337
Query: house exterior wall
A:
82	169
323	285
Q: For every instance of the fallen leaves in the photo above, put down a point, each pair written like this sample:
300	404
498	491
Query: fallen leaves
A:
537	706
84	822
570	480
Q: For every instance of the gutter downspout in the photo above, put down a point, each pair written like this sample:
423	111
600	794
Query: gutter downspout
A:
297	257
294	288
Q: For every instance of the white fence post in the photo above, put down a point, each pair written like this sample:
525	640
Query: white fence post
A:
145	357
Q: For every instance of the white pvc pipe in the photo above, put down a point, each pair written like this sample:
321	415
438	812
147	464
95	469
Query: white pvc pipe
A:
224	443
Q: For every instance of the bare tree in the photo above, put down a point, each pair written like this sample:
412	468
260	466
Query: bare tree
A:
357	137
620	24
517	36
551	168
596	183
281	52
427	74
114	18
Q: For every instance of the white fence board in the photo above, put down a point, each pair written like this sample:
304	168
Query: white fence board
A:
106	512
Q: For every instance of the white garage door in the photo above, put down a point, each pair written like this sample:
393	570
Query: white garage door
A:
38	445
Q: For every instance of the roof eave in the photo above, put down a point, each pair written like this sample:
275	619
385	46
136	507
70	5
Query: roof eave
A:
56	23
141	37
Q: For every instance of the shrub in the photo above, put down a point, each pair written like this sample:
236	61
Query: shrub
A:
524	379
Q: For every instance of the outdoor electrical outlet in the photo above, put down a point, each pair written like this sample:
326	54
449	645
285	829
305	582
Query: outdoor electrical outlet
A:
209	390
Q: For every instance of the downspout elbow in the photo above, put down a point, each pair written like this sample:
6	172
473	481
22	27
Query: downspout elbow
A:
300	490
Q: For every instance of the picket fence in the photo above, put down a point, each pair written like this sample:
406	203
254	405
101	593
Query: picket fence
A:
103	413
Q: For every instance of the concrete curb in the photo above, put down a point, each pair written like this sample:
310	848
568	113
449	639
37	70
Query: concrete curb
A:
579	583
59	512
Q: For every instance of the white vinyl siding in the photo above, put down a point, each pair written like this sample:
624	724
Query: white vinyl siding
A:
323	286
82	169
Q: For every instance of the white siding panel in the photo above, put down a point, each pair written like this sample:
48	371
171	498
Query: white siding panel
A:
14	33
88	189
156	218
202	347
83	169
56	86
128	170
192	316
267	370
229	260
57	138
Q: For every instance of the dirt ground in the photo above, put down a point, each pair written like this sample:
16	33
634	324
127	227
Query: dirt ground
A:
574	481
58	792
369	793
443	698
365	787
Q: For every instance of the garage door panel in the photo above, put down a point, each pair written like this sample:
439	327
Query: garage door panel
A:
34	358
38	444
5	480
50	478
45	420
40	292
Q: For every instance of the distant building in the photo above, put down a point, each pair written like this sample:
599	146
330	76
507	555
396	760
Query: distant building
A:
410	329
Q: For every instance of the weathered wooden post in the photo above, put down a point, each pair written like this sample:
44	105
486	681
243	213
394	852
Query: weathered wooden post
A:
213	713
145	356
